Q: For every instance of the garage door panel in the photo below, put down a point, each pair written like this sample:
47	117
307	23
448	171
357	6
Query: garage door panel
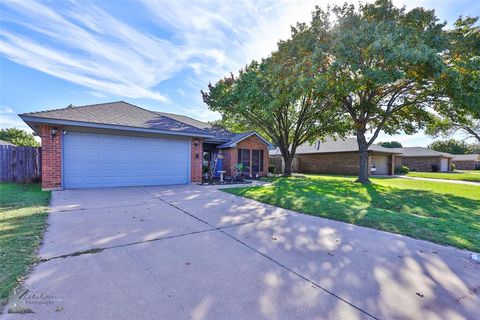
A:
99	160
381	164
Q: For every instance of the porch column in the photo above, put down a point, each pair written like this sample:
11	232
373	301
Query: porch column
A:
251	158
392	167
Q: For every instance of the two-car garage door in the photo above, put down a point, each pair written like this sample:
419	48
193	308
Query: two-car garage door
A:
102	160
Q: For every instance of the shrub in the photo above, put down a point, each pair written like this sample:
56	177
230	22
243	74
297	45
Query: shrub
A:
271	169
434	168
453	166
402	170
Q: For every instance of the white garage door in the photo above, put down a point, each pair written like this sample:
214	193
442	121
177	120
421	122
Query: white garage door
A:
380	163
443	164
102	160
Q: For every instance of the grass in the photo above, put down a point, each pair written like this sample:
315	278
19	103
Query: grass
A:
466	175
22	222
438	212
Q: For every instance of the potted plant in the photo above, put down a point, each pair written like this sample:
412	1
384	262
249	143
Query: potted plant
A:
240	169
205	172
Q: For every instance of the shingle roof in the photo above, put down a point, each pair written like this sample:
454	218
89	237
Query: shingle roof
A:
330	145
421	152
237	137
466	157
217	132
121	113
187	120
118	113
5	143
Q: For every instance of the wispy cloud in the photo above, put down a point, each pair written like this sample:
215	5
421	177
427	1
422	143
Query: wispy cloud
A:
115	59
112	53
5	109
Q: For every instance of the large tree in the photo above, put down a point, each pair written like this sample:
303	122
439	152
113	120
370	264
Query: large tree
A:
18	137
382	62
277	97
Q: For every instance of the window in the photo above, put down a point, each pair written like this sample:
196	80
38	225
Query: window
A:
244	157
257	160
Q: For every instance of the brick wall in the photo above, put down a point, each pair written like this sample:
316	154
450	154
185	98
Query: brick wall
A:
337	163
231	154
466	165
51	158
196	160
420	163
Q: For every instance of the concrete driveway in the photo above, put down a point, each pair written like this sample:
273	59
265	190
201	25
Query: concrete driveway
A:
193	252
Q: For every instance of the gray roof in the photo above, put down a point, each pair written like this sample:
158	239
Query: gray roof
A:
117	113
421	152
217	132
124	114
241	136
187	120
466	157
332	145
5	143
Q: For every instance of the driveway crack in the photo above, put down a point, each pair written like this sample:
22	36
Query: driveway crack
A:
267	257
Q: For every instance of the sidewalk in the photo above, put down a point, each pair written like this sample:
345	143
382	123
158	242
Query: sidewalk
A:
441	180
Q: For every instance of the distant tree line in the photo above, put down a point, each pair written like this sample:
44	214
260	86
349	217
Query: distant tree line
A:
455	146
18	137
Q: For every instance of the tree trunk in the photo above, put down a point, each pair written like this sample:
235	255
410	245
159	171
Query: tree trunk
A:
363	153
287	171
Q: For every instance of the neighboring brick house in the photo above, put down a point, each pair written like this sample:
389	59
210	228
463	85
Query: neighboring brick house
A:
423	159
338	156
466	161
119	144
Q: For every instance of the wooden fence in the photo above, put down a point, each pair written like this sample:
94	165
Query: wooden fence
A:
20	164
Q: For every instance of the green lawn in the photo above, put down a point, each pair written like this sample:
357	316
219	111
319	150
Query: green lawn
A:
438	212
465	175
22	222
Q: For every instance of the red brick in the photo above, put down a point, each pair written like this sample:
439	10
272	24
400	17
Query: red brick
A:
231	154
51	158
196	160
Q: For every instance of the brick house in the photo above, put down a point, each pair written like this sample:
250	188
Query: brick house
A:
337	156
119	144
423	159
466	161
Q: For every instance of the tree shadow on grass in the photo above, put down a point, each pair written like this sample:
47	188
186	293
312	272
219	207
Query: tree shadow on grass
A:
440	218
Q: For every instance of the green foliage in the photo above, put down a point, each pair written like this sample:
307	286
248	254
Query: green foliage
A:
451	146
240	168
460	82
402	170
391	144
205	169
474	148
18	137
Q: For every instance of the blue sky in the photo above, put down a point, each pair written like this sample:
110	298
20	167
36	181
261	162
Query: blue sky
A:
156	54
